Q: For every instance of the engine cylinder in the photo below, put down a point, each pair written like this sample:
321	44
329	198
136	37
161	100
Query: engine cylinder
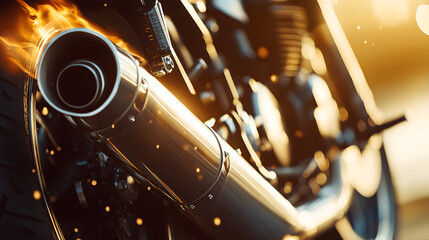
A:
276	31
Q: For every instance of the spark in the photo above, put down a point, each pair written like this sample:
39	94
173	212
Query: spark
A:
217	221
37	195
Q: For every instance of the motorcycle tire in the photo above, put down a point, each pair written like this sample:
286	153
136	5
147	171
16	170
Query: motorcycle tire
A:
376	217
23	212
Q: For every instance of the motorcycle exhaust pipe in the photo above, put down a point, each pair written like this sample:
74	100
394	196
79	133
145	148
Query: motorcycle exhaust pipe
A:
103	91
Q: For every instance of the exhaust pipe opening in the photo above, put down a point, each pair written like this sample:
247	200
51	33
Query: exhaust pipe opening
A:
78	72
80	76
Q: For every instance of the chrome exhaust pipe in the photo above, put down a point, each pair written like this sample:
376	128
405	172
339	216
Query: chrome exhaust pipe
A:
129	113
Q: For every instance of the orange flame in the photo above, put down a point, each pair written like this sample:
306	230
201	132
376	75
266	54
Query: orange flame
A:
39	25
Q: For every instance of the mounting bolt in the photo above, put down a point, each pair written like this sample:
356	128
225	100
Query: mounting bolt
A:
144	80
169	64
226	155
131	118
210	196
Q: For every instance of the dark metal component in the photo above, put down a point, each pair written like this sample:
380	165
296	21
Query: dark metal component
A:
156	41
167	145
154	37
369	131
197	70
81	195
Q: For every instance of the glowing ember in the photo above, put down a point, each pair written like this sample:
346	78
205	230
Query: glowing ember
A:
94	183
37	195
217	221
37	25
139	221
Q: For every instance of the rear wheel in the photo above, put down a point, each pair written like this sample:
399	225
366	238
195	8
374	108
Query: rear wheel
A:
22	208
374	217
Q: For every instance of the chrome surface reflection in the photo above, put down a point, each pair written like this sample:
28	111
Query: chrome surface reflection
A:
156	137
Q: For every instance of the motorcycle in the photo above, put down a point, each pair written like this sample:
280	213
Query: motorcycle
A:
187	120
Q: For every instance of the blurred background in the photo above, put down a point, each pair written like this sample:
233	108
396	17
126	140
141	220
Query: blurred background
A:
391	41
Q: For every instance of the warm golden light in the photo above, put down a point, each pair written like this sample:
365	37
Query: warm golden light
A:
262	52
345	229
76	230
321	179
186	147
107	209
422	18
201	6
290	237
274	78
37	25
37	195
130	180
349	58
299	134
344	114
94	183
363	169
45	111
326	112
390	13
308	49
217	221
287	188
321	161
318	63
139	221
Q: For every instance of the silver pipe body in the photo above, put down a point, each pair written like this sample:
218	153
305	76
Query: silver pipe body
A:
157	138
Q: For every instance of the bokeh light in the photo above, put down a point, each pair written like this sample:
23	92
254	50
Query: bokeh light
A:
390	13
422	18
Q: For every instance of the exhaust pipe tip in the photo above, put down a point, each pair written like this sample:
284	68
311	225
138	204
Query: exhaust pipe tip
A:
79	72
